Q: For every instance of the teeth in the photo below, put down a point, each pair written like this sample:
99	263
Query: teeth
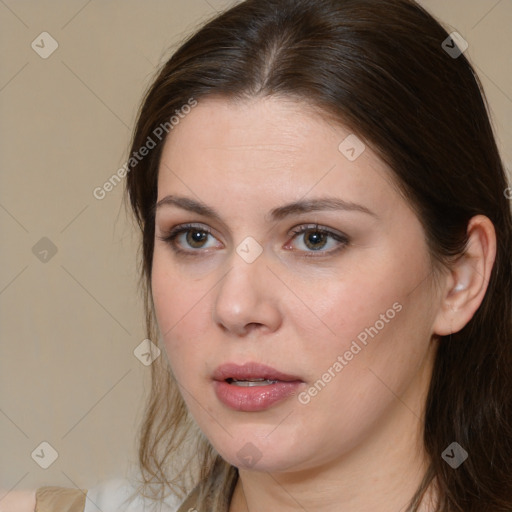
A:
251	382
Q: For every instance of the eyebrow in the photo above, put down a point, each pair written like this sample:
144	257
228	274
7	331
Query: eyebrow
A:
279	213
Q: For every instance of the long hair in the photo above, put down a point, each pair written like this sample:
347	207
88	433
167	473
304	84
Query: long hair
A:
382	68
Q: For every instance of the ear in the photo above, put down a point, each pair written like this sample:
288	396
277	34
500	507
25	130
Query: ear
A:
464	287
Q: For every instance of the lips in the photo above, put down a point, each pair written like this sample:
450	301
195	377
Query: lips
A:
253	387
251	371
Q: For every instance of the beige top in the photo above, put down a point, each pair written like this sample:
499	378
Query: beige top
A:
52	499
62	499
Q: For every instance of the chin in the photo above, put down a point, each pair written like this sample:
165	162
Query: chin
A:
250	458
260	451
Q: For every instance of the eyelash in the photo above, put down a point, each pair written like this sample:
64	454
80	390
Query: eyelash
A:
171	236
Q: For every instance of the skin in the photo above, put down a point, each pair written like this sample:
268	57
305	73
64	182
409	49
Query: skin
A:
356	446
17	501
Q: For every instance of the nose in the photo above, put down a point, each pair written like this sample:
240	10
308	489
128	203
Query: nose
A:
247	298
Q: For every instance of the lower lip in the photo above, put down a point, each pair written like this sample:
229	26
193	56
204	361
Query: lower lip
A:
254	398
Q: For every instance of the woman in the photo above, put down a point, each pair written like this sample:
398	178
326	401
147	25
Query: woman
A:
326	254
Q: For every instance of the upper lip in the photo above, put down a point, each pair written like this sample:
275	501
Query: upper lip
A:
251	370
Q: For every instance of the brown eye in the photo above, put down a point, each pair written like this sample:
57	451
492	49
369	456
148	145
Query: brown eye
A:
187	239
312	238
196	238
315	240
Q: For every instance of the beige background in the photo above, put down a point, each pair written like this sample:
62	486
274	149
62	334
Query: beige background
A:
69	325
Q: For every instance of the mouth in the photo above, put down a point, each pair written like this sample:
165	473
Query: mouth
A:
251	382
252	386
251	374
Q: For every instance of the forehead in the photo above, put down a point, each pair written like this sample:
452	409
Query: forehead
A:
266	148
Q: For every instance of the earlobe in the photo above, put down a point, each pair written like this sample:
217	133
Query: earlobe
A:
466	282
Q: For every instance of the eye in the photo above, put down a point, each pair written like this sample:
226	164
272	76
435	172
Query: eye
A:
188	236
314	238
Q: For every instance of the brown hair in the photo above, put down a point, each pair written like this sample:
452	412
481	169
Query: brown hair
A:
378	67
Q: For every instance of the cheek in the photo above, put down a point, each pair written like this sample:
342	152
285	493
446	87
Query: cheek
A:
382	345
378	318
174	300
356	377
356	306
183	312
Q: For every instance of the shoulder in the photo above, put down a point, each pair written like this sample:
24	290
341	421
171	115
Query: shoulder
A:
17	501
115	495
121	495
44	499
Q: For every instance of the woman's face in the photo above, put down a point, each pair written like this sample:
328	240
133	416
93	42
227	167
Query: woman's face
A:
303	267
